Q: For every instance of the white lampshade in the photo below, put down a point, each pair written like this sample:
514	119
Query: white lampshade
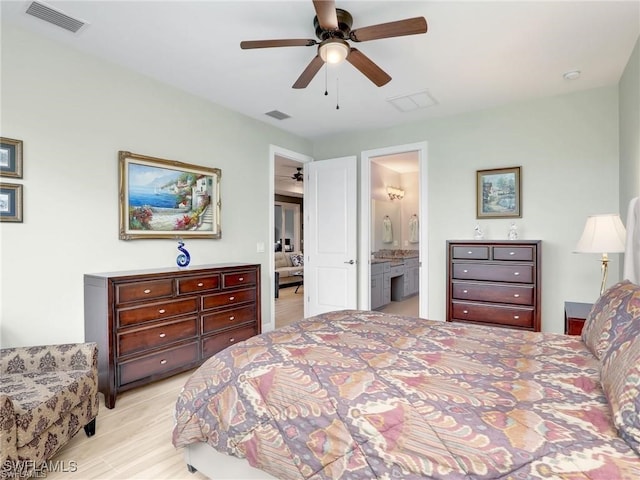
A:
334	50
602	234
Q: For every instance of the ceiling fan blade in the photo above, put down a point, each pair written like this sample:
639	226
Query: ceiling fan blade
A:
410	26
326	13
370	70
292	42
309	72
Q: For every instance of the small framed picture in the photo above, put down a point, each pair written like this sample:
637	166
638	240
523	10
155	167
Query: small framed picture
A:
10	202
10	157
498	193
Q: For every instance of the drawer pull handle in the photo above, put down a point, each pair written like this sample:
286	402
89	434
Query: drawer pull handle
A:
162	335
232	298
163	361
465	311
516	273
516	317
231	340
241	279
162	310
232	318
200	284
147	290
470	252
516	295
465	271
465	291
512	253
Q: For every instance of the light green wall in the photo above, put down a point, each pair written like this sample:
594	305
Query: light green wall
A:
567	147
629	92
74	113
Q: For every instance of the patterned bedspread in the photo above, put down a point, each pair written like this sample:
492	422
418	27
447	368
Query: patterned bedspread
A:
363	395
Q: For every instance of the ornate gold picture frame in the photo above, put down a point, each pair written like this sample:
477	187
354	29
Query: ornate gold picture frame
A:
167	199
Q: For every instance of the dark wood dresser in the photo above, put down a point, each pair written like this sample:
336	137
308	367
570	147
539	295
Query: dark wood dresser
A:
494	282
150	324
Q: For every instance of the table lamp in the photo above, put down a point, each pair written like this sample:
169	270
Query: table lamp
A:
602	234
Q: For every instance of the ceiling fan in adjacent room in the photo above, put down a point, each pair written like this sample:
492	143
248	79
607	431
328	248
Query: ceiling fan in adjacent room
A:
298	176
333	29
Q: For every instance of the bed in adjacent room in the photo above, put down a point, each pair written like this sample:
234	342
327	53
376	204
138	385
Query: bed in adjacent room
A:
362	395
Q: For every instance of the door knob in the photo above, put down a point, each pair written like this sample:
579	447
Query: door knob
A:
350	262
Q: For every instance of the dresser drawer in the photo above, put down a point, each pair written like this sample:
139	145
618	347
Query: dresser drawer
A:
147	338
158	363
238	279
228	299
515	294
396	271
493	314
198	284
522	254
471	252
228	318
215	343
156	311
496	273
150	290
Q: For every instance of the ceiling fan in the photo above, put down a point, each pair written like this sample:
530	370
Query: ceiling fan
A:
333	29
298	176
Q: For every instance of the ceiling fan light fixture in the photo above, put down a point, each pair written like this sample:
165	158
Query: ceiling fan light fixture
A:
333	50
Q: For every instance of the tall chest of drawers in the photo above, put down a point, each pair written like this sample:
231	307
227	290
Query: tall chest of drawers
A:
150	324
494	283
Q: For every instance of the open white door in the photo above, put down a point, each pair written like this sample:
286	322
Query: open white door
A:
330	205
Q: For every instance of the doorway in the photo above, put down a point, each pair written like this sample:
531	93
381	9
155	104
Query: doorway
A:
286	227
394	206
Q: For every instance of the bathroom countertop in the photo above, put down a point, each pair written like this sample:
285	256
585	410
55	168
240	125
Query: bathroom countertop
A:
398	256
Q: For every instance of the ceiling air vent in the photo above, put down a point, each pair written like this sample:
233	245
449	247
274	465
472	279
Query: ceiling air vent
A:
56	17
413	101
278	114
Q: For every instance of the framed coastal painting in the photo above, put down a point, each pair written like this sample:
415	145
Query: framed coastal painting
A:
10	202
498	193
167	199
10	157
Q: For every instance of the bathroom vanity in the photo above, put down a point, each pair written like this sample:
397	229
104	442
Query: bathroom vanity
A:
394	276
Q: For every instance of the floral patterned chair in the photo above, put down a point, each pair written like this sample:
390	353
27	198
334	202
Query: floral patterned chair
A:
47	393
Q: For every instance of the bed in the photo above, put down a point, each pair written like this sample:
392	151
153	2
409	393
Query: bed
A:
363	394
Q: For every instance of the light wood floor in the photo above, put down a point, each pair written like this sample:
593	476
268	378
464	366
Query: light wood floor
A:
409	307
133	440
289	306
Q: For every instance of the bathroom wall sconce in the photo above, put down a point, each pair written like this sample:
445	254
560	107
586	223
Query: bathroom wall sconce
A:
395	193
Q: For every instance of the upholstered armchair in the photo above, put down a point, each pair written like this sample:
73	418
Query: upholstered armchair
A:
47	394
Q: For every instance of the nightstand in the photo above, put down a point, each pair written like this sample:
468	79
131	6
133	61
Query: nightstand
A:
575	314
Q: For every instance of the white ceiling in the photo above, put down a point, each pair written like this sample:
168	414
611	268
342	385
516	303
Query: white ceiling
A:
475	55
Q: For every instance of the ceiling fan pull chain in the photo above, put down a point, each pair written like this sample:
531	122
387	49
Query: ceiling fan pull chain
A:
337	94
326	92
